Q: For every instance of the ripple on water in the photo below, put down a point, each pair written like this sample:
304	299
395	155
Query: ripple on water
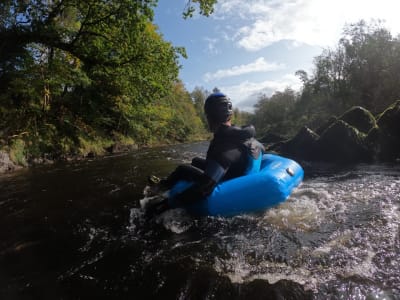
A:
328	232
364	221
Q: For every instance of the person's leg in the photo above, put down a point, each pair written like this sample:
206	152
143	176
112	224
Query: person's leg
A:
199	163
182	172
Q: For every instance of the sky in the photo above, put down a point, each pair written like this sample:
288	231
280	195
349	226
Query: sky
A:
248	48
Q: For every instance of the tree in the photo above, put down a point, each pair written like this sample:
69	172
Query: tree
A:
362	70
199	96
206	7
273	114
71	69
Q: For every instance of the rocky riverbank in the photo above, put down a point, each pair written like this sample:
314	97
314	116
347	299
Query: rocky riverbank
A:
6	164
355	137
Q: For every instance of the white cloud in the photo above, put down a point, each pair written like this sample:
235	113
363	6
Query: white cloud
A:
259	65
314	22
211	49
245	94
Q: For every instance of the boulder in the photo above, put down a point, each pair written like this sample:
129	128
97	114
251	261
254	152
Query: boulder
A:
360	118
384	139
301	147
119	148
271	138
343	143
354	137
320	130
6	164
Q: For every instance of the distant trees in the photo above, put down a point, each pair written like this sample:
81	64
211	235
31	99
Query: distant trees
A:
199	96
274	114
364	70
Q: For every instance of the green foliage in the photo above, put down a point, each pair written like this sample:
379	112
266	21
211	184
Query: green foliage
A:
95	146
76	74
206	7
17	152
274	114
364	70
199	96
241	117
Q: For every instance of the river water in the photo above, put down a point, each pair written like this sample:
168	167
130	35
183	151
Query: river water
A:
76	231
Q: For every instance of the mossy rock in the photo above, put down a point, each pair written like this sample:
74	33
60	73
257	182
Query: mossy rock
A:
300	147
389	120
271	138
360	118
320	130
384	140
6	164
343	143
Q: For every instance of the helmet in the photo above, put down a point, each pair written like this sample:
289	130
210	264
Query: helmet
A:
218	108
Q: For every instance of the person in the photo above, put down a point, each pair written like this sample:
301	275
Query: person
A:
232	152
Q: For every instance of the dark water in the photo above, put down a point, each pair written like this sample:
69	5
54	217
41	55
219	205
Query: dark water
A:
76	231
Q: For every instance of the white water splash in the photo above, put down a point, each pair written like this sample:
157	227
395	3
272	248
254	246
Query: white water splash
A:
175	220
305	210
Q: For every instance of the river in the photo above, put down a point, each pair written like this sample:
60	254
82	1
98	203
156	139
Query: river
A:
76	231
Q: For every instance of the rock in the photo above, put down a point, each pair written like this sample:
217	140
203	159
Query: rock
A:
302	146
384	139
6	164
343	143
360	118
119	148
271	138
320	130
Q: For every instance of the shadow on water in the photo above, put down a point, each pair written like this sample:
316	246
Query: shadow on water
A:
76	231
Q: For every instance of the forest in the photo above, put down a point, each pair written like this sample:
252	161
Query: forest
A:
77	77
363	70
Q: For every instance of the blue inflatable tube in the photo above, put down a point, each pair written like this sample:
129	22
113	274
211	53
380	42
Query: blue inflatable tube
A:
255	192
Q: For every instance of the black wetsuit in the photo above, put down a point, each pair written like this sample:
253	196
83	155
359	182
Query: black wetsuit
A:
227	157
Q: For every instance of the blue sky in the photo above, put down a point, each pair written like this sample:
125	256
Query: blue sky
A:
248	47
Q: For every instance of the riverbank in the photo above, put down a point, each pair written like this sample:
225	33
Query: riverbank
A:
18	155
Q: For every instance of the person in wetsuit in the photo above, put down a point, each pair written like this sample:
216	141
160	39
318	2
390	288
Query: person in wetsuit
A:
233	152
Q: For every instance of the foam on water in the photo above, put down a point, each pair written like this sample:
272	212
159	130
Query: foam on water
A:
304	210
348	220
350	250
175	220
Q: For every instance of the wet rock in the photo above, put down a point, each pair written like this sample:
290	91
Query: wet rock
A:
283	289
360	118
354	137
343	143
271	138
302	146
326	125
6	164
119	148
384	139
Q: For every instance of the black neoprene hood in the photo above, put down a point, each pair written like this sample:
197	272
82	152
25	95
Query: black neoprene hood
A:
218	107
